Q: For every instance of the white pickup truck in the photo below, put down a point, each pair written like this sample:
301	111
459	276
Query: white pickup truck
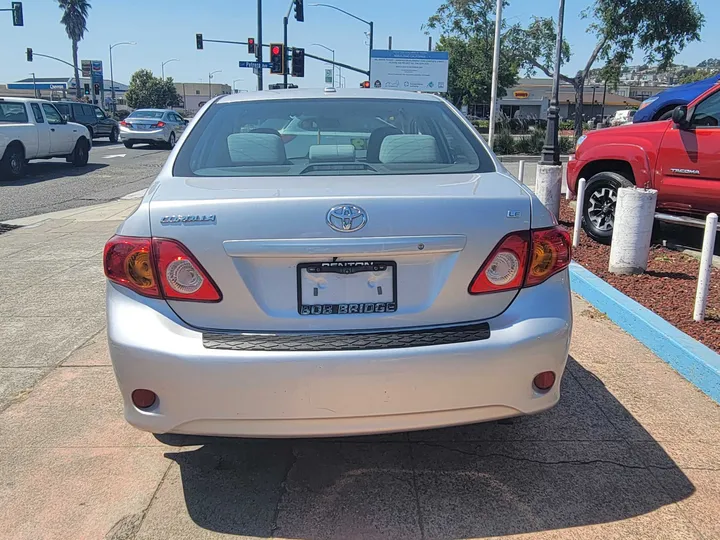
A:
34	129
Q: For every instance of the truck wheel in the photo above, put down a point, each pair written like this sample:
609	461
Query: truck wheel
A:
13	162
114	135
599	205
81	153
128	144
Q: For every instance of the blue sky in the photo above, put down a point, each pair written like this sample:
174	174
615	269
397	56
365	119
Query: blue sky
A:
165	29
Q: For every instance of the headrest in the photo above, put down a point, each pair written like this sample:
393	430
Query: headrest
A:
256	148
409	149
331	152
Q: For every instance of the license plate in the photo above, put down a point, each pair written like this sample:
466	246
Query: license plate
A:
347	287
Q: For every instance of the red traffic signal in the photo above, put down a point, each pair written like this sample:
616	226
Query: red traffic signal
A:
276	50
251	45
277	59
365	84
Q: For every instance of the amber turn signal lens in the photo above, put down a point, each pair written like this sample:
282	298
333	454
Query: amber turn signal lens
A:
139	269
543	259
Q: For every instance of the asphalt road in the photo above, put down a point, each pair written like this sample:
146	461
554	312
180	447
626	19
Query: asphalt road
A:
51	185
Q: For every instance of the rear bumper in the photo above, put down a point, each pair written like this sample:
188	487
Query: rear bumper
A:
322	393
156	135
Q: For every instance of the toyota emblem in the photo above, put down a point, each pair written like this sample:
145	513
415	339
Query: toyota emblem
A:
346	218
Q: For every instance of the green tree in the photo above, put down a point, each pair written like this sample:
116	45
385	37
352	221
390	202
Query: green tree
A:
146	91
467	33
694	75
658	28
75	14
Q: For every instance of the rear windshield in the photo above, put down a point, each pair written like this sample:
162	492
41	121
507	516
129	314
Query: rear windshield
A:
147	114
332	136
13	113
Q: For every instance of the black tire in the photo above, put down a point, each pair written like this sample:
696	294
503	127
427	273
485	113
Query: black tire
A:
171	141
599	205
92	134
128	144
114	135
666	115
81	153
13	164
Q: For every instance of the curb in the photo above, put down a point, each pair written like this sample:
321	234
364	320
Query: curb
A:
697	363
514	158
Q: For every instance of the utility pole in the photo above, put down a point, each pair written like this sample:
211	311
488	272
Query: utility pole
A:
389	43
35	94
429	43
285	48
259	48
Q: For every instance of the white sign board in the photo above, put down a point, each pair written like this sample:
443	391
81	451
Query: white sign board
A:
424	71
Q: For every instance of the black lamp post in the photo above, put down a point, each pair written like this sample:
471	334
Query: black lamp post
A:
551	150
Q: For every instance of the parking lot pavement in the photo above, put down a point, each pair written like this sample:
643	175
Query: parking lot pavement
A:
54	185
631	451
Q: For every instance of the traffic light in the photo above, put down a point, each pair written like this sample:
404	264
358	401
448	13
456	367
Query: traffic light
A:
251	45
198	41
87	89
96	88
298	63
299	11
28	54
277	58
365	84
17	13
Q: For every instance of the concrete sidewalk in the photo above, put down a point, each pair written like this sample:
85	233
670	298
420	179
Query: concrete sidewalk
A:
632	451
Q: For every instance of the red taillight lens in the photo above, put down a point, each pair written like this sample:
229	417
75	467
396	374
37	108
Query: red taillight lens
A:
159	268
181	275
523	259
550	254
128	262
287	138
160	124
124	123
504	269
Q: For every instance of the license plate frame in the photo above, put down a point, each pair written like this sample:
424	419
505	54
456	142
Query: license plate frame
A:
351	308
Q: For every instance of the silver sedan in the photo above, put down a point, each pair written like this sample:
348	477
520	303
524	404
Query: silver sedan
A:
394	278
152	126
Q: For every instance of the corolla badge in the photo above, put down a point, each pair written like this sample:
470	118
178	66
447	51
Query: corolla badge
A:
346	218
188	219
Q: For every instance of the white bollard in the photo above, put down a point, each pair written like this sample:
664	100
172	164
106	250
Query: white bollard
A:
632	230
548	185
703	285
521	171
578	211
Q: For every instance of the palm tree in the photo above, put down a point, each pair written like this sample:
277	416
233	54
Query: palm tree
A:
75	13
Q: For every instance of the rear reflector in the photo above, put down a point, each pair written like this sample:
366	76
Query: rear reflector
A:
158	268
143	399
523	259
544	381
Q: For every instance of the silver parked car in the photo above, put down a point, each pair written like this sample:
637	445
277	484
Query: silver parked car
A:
152	126
406	283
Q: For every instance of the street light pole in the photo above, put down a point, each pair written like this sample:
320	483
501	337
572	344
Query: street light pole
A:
332	51
35	94
162	68
369	23
210	76
496	67
259	47
233	84
112	78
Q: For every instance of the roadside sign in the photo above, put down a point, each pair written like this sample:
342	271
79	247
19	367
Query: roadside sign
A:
424	71
255	65
329	76
85	64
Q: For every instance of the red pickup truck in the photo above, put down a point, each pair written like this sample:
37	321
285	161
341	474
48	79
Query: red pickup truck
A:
680	158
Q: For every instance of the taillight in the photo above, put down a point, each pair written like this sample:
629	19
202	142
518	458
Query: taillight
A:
158	268
504	269
523	259
550	254
160	124
287	138
181	275
127	261
124	123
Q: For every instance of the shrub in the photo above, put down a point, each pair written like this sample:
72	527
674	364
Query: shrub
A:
567	125
567	145
504	143
523	145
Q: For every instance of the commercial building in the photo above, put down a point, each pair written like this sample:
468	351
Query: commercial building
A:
56	88
195	95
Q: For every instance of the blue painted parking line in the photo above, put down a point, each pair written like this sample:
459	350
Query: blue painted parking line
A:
697	363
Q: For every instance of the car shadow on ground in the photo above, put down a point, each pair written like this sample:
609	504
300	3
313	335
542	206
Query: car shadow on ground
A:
577	464
51	170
